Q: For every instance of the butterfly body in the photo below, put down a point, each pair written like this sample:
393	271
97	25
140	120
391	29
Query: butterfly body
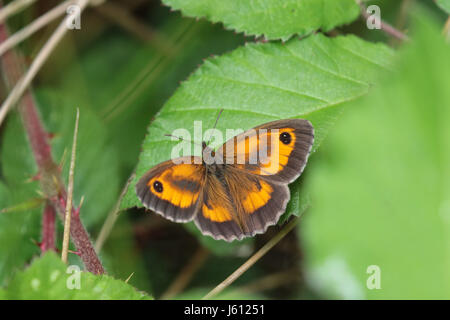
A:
236	191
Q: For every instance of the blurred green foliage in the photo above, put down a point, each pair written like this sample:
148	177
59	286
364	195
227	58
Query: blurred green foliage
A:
444	4
375	192
380	188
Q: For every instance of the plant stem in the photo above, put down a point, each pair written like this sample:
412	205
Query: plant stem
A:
14	7
186	274
253	259
112	217
49	172
22	84
48	228
271	281
80	238
34	26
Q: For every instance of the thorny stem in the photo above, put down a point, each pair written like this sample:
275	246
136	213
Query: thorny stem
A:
48	228
50	177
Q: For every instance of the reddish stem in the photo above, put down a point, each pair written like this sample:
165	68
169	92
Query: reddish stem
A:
48	229
49	173
39	140
80	237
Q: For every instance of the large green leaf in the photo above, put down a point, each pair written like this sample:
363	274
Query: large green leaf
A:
48	278
381	191
271	18
311	78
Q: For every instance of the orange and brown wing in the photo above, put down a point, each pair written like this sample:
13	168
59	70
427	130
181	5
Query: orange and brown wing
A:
217	216
259	202
239	205
173	190
277	150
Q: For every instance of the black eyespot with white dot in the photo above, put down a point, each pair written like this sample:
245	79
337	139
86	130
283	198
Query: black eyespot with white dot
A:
158	186
285	138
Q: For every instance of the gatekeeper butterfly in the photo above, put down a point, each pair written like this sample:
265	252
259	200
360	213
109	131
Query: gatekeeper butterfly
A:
238	190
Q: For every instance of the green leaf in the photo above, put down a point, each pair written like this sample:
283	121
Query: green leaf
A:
311	79
18	229
271	18
299	203
444	5
381	191
17	232
48	278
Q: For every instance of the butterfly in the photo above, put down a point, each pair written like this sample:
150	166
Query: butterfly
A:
237	191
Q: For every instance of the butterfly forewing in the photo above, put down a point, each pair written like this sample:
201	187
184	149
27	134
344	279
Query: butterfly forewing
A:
277	150
173	189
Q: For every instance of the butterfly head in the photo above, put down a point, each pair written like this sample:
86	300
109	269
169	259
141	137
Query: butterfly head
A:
208	155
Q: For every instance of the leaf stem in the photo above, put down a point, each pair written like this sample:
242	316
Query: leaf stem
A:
253	259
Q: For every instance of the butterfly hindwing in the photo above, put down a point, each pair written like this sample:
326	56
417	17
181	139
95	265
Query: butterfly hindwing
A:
173	189
217	215
238	205
259	202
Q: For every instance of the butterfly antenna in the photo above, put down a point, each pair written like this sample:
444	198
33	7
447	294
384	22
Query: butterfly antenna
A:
181	138
217	119
215	124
